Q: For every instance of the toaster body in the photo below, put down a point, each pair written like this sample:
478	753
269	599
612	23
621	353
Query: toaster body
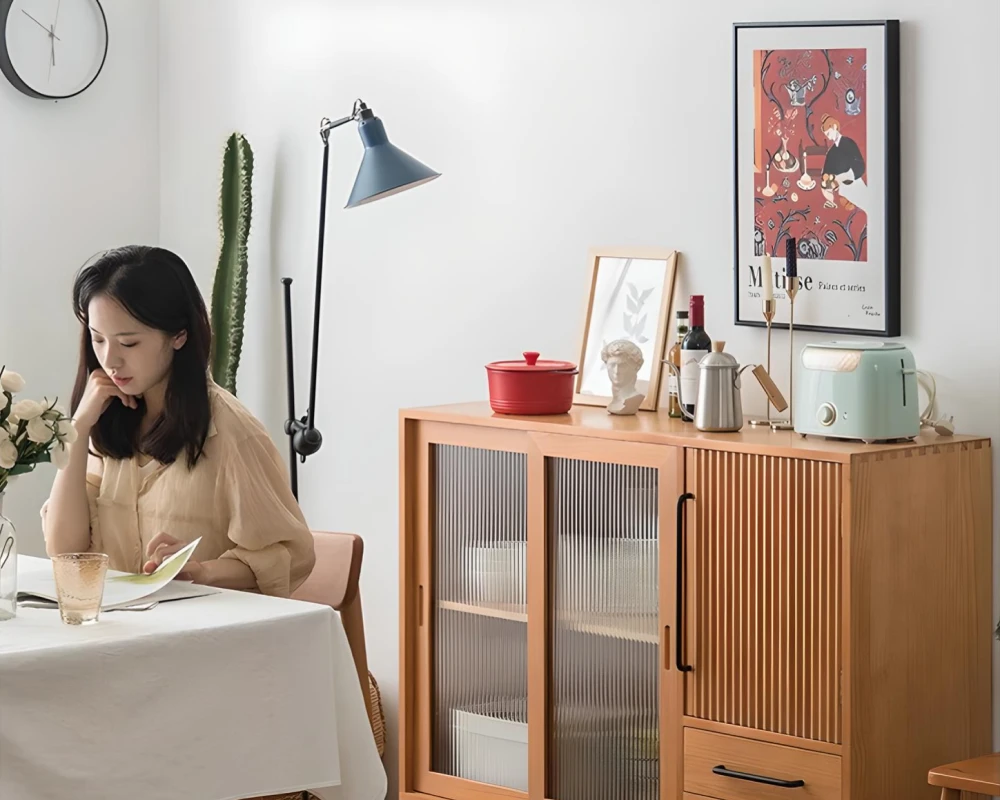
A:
857	390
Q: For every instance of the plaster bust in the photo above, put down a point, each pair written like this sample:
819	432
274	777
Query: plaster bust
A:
624	359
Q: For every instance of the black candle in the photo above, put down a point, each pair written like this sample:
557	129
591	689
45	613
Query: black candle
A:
791	252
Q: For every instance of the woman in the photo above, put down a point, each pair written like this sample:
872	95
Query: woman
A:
844	167
173	455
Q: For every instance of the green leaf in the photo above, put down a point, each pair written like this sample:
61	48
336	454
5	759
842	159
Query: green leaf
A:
229	291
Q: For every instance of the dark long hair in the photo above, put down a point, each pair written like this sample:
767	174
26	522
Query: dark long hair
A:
156	287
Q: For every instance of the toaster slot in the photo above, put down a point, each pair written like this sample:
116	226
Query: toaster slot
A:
902	374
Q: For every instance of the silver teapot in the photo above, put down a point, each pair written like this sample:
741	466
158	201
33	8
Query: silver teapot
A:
719	407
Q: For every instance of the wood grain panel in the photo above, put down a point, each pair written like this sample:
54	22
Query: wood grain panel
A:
704	751
763	599
920	584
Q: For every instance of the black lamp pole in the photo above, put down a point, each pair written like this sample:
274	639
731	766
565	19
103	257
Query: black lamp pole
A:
303	437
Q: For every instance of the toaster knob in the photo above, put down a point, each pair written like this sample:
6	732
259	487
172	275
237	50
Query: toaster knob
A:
826	414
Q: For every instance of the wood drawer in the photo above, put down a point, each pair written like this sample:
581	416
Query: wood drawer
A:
704	751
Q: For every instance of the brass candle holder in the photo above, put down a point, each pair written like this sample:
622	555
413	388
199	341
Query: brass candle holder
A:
768	307
786	424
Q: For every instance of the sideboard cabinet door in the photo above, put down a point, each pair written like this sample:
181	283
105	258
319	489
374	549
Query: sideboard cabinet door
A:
764	563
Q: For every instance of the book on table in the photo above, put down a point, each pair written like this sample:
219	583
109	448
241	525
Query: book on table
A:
37	586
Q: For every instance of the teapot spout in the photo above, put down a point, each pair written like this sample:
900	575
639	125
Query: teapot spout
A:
680	396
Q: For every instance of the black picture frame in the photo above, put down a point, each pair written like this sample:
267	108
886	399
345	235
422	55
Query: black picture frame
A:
892	195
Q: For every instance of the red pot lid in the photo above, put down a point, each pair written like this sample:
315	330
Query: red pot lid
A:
531	363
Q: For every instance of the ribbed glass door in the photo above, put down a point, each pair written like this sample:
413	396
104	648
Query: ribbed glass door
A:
479	642
603	533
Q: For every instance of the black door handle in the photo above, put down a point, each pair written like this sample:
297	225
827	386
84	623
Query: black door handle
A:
749	776
679	627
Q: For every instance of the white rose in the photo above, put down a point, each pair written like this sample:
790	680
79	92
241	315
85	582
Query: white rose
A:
56	412
60	456
39	430
8	453
11	382
27	409
65	431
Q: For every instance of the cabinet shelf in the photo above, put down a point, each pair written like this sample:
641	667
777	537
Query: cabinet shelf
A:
615	626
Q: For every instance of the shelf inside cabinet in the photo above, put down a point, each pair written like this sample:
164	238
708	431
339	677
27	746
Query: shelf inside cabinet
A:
629	627
512	613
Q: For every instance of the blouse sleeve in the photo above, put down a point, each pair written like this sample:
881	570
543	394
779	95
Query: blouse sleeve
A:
265	522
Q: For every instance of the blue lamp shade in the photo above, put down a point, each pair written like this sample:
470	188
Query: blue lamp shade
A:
385	169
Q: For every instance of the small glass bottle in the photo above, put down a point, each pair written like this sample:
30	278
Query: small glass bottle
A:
674	357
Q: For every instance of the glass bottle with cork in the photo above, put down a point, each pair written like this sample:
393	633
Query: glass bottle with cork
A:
674	357
696	345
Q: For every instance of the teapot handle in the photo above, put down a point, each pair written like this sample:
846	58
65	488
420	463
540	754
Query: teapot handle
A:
680	399
736	378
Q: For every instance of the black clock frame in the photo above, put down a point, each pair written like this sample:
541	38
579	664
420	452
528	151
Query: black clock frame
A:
7	66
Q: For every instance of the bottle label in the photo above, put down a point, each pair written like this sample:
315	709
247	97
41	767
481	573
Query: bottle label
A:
672	385
690	374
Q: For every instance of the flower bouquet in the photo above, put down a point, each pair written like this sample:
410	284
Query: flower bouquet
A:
31	431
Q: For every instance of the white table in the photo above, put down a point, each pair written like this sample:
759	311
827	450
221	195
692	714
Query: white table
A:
224	697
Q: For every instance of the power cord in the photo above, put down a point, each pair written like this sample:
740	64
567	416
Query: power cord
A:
928	417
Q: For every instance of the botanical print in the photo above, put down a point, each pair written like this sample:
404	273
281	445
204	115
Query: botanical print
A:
628	293
810	153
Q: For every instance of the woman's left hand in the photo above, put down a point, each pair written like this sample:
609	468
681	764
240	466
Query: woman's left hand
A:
161	547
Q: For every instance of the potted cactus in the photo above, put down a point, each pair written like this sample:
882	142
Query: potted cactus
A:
229	291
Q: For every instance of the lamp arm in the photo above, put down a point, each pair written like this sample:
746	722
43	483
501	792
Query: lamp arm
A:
319	285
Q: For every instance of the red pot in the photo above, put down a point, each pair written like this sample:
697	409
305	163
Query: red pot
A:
531	386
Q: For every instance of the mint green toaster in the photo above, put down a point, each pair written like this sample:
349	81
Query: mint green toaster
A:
856	390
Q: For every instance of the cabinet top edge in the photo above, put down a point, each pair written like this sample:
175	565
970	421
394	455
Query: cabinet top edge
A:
656	427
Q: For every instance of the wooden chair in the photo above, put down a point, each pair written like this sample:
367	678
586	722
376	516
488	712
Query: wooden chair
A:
334	582
977	775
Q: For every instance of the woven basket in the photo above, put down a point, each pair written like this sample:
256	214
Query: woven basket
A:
378	715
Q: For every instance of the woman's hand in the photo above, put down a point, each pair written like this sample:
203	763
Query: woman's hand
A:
100	391
161	547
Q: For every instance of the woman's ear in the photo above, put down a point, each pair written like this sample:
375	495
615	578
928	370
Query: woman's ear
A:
180	339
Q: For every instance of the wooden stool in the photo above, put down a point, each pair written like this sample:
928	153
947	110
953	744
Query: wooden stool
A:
980	775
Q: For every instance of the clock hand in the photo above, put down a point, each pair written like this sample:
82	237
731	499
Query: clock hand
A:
54	24
39	24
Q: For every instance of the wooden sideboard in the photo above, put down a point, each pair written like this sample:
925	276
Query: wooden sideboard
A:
624	607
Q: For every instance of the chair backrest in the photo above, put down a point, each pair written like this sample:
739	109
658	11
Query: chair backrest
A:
334	582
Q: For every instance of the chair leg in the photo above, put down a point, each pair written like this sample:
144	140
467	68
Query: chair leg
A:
951	794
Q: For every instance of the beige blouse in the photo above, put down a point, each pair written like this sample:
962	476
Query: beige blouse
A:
237	498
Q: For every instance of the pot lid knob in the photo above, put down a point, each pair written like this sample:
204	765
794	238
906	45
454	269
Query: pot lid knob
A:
531	357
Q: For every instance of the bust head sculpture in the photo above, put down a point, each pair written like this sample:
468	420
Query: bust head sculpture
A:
623	359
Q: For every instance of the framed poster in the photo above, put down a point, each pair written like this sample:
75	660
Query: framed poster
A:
816	137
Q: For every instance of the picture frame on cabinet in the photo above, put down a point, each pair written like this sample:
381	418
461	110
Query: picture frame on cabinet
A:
629	296
816	141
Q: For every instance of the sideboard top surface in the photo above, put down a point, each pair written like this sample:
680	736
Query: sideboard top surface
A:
657	427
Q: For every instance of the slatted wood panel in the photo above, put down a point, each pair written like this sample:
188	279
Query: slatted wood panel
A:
764	593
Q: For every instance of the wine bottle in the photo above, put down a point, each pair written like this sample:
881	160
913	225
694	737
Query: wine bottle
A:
696	345
674	357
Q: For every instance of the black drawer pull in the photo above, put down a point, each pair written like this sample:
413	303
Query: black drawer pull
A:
747	776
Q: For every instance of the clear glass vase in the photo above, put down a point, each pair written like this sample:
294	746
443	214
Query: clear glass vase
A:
8	567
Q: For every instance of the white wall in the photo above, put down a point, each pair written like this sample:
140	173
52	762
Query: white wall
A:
76	176
556	126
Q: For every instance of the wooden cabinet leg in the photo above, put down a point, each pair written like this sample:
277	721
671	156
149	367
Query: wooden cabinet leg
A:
951	794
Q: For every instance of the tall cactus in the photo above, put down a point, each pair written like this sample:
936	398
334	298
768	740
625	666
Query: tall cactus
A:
229	292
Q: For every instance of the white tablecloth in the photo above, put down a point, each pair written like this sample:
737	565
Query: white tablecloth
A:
212	698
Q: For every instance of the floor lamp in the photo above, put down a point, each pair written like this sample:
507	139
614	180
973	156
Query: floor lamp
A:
385	170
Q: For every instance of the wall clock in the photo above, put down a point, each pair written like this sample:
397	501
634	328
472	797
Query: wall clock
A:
52	49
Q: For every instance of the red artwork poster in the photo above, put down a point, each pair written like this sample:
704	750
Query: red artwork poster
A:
811	153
